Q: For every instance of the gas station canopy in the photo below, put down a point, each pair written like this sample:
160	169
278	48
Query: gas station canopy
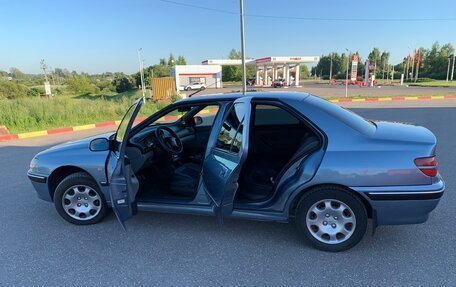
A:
272	64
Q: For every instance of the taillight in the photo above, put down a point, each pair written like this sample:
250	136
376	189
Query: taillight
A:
427	165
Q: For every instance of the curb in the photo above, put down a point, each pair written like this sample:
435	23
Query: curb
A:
382	99
61	130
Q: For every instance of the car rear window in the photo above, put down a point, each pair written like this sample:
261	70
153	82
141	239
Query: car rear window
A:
348	117
268	115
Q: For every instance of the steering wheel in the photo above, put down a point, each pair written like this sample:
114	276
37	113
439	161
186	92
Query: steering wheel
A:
169	140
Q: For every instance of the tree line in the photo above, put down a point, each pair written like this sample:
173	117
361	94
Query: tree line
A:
433	63
15	83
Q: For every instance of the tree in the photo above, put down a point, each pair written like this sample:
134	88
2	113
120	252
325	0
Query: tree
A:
384	61
16	73
232	73
122	84
81	84
171	61
181	60
434	61
374	58
304	72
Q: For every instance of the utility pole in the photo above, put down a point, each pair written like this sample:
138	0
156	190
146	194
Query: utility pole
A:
452	70
331	68
47	85
44	67
141	73
448	69
346	76
244	84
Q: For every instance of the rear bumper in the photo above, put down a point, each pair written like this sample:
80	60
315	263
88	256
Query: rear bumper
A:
403	204
39	182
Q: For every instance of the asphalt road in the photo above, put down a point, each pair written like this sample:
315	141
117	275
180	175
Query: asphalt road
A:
37	247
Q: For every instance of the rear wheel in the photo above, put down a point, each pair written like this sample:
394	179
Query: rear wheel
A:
79	201
331	218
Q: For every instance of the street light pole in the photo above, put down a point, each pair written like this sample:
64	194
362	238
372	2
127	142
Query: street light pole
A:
448	69
452	70
244	84
346	76
141	73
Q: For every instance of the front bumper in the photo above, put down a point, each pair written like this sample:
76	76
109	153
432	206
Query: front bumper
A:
394	205
40	183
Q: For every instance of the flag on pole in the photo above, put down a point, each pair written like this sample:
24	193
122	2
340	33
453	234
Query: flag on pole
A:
418	65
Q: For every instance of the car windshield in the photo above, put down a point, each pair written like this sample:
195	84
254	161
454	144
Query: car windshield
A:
206	112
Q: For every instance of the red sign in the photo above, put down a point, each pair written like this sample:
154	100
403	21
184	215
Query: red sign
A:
354	67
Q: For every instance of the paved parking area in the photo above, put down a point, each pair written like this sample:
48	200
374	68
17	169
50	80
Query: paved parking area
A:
334	91
39	248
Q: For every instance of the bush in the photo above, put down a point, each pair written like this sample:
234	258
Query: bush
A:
425	80
122	84
81	84
11	90
35	92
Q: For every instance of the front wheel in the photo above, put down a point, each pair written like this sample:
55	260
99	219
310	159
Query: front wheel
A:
331	218
79	201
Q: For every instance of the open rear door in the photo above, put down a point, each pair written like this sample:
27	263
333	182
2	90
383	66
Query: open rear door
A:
123	184
223	163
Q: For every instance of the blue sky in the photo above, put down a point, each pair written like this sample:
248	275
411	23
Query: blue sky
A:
97	36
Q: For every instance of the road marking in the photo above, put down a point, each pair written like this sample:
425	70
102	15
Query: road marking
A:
84	127
32	134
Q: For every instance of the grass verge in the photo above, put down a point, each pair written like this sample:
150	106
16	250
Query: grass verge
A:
32	114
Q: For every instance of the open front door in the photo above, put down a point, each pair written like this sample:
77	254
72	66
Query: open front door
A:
123	184
223	163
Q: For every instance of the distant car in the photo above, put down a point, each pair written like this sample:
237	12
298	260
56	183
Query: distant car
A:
279	83
195	86
264	156
250	81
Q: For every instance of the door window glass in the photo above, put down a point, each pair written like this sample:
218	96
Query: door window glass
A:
230	136
208	115
268	115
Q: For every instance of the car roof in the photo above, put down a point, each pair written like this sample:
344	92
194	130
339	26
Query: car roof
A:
234	96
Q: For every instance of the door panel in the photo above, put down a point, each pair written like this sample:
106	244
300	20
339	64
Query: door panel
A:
223	163
123	184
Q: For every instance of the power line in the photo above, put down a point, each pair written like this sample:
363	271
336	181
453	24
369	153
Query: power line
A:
199	7
311	18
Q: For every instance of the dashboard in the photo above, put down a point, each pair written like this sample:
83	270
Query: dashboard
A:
143	148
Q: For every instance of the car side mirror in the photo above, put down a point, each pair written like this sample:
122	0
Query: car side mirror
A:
198	120
99	144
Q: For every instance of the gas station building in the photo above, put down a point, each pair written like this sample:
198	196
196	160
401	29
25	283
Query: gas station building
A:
268	69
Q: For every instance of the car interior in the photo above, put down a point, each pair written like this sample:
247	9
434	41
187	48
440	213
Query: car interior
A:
167	155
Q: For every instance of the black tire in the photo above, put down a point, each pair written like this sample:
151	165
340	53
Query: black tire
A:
75	179
188	89
339	194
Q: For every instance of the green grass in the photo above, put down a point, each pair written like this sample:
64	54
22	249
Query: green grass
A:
32	114
433	84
